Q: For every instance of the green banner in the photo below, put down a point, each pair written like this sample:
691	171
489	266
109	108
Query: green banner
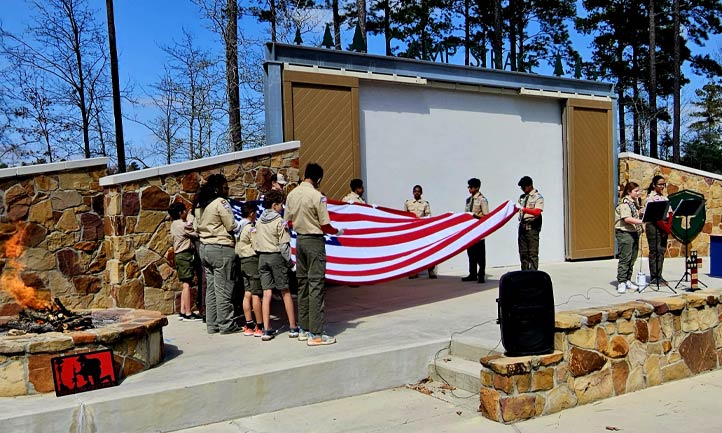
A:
686	229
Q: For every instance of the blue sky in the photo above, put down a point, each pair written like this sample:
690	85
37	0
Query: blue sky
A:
143	26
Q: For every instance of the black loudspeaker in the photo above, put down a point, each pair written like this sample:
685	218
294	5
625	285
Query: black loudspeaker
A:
526	313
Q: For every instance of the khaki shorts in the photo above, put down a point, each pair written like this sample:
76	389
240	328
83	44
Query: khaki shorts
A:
274	271
184	266
250	275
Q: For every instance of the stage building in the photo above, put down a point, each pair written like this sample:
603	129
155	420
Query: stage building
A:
396	122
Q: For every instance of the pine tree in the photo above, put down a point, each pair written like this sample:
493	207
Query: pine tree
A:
704	150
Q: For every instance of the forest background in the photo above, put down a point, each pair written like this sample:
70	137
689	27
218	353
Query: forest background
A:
190	80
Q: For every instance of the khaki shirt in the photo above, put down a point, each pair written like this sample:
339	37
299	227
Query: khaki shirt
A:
271	234
246	243
653	196
352	197
625	209
183	234
533	200
215	223
306	207
419	207
477	204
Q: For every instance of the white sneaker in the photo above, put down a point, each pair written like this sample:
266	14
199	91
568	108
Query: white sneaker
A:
622	288
632	286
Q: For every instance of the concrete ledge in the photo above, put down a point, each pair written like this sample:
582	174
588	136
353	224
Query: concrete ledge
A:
186	404
604	352
118	179
53	167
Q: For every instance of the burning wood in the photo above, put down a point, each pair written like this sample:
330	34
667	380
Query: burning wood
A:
54	318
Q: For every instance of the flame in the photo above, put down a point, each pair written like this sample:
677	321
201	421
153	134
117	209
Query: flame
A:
10	281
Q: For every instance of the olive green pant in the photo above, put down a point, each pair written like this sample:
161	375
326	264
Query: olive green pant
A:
657	240
627	247
218	261
528	247
311	275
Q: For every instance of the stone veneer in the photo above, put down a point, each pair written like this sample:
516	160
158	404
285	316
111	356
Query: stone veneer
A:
605	352
61	207
642	169
137	235
135	337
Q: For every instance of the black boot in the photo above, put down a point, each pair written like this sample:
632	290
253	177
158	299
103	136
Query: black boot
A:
469	278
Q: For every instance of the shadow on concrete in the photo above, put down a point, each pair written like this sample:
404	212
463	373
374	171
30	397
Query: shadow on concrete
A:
171	352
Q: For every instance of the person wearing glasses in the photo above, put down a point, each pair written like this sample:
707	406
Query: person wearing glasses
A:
478	206
658	231
531	205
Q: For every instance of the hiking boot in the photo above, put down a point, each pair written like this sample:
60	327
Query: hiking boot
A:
469	278
622	288
320	340
258	332
293	332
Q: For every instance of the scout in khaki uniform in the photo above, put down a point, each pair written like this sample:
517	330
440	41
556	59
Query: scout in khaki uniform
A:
306	210
421	209
627	228
214	224
531	205
357	190
657	231
478	205
246	252
274	250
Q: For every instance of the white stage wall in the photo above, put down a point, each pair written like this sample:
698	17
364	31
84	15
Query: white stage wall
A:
440	138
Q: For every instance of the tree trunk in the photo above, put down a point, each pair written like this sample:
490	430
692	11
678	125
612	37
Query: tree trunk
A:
387	26
622	121
80	86
467	36
512	33
272	4
232	87
336	25
677	89
117	113
497	43
361	6
652	82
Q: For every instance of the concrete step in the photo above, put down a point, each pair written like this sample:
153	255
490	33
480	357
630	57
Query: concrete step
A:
457	372
472	349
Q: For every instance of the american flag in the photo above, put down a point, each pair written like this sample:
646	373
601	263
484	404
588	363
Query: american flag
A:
382	244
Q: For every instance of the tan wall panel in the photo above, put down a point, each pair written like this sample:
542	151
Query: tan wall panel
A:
325	119
590	204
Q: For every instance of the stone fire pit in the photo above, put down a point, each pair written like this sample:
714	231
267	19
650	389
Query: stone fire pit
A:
134	336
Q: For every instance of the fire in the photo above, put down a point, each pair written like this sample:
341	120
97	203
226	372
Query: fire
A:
10	281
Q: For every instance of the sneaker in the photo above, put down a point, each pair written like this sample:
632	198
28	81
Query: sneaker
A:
302	335
320	340
193	317
469	278
248	332
293	332
258	332
268	335
632	286
622	288
183	317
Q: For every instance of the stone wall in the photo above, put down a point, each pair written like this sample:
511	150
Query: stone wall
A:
60	206
642	169
139	272
605	352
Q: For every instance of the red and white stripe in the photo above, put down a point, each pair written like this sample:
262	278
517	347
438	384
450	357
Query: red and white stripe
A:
381	244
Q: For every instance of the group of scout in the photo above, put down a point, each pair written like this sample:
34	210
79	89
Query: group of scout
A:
531	205
262	246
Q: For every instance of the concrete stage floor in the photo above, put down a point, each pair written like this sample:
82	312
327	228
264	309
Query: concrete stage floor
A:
387	335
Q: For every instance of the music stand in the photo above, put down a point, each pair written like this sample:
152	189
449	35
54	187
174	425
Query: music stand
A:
656	211
688	207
